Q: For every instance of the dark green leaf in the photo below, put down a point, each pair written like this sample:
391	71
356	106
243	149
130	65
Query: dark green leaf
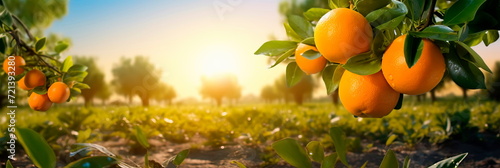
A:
301	26
485	18
451	162
61	46
3	44
334	4
90	162
400	102
5	16
41	90
472	56
413	50
239	164
388	18
463	73
141	138
390	160
77	68
338	136
293	74
390	139
309	41
367	6
406	163
311	54
331	77
274	48
291	151
363	64
462	11
329	161
463	32
474	39
315	151
416	8
74	92
36	147
490	37
9	165
283	57
179	158
437	32
68	63
40	44
314	14
378	45
291	34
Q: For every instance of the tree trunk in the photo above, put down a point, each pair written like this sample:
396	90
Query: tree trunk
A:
218	101
433	95
87	100
299	99
335	97
464	93
145	100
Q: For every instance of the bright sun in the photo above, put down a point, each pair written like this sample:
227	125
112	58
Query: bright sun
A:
217	62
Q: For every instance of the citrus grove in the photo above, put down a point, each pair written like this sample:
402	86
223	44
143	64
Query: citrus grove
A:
374	52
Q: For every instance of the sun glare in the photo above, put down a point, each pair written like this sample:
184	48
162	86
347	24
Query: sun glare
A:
218	62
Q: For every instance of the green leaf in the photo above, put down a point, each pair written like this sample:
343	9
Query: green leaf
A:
291	151
291	33
74	76
274	48
311	54
78	68
364	165
61	46
378	44
8	164
315	151
40	44
331	77
74	92
474	39
406	163
416	8
293	74
40	90
490	37
388	18
5	16
3	45
314	14
463	73
237	163
283	57
451	162
400	102
338	136
141	138
309	41
390	139
363	64
462	11
179	158
81	85
472	56
413	50
36	147
334	4
367	6
390	160
329	161
301	26
437	32
96	161
463	33
68	63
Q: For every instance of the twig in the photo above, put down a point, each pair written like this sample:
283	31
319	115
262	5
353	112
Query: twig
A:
23	26
429	17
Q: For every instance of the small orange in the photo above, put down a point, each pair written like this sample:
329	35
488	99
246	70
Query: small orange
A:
341	34
39	102
367	95
421	77
34	78
307	65
18	62
58	92
22	85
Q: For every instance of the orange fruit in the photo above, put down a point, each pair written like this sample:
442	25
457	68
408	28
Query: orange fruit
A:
39	102
307	65
341	34
17	69
421	77
58	92
367	95
22	85
34	78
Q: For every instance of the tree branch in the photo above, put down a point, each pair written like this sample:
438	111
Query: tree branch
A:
429	17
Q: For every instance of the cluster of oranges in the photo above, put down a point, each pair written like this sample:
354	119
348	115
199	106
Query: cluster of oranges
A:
343	33
58	92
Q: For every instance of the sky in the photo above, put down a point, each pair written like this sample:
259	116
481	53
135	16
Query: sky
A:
185	39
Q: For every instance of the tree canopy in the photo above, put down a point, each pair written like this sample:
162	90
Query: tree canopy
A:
220	86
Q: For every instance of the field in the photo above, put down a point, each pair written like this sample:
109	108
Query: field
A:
426	132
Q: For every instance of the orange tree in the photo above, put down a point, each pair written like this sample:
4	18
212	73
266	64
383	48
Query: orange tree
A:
30	65
412	43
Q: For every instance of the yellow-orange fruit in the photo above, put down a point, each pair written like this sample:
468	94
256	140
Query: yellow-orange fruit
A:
58	92
306	65
22	85
16	68
34	78
39	102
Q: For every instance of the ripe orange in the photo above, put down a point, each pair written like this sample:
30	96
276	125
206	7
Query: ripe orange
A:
367	95
22	85
421	77
341	34
58	92
39	102
19	61
307	65
34	78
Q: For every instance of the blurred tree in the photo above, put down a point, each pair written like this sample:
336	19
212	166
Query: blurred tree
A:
136	77
269	93
301	91
441	85
95	78
295	7
494	84
104	94
36	14
220	86
165	93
